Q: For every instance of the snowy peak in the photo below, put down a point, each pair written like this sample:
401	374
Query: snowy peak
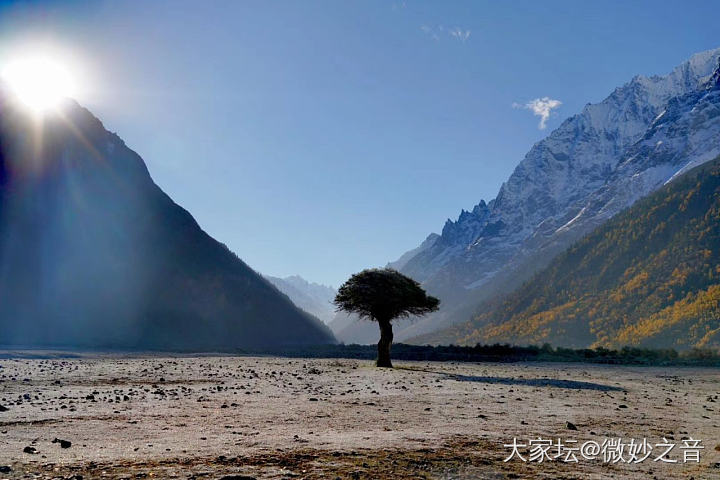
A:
593	165
714	80
468	225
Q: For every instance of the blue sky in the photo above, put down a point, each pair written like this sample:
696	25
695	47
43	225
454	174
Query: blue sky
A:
321	138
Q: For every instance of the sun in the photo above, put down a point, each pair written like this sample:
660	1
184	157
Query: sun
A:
38	82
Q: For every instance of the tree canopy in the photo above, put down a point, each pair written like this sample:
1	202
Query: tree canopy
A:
383	295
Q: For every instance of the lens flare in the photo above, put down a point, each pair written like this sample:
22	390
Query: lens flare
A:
39	83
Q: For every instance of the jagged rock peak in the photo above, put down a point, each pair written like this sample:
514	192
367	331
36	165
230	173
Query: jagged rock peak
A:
714	80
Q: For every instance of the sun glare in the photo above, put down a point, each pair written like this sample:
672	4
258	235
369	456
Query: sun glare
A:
39	83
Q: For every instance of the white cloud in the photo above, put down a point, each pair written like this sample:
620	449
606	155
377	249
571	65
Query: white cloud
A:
541	107
437	32
460	34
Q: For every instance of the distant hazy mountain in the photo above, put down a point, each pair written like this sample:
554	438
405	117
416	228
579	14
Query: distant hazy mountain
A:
311	297
409	255
94	254
594	165
648	277
349	328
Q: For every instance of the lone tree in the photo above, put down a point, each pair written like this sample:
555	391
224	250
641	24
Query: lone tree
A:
382	295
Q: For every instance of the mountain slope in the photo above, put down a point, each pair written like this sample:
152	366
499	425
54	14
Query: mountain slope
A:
409	255
314	298
94	254
648	277
594	165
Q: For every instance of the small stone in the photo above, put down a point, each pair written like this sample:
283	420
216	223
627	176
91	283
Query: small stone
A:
570	426
5	469
30	450
63	443
3	408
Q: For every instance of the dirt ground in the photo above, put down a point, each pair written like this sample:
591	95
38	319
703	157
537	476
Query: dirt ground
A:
212	417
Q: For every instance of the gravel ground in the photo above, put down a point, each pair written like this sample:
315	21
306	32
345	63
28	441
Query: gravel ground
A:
267	417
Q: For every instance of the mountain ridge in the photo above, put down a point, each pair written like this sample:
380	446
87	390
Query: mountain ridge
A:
555	195
94	254
648	277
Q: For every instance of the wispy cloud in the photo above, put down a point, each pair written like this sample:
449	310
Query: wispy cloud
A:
541	107
432	32
439	31
460	34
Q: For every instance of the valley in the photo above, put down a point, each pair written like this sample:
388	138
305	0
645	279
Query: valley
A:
209	416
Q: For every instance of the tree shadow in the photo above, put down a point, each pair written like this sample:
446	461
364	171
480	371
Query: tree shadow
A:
537	382
528	382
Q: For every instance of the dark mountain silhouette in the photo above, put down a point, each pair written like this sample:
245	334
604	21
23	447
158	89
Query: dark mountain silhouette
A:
649	277
94	254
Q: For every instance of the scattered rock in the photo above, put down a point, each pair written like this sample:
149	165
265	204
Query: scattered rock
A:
30	450
570	426
237	477
5	469
63	443
3	408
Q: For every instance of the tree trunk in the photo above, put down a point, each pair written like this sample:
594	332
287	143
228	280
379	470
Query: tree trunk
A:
386	338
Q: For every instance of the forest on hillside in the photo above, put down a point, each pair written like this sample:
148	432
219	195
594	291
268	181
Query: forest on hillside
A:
649	277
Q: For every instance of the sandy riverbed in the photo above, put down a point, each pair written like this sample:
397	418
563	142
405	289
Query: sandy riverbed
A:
215	416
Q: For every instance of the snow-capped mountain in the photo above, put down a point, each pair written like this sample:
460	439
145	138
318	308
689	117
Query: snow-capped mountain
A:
312	297
593	165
